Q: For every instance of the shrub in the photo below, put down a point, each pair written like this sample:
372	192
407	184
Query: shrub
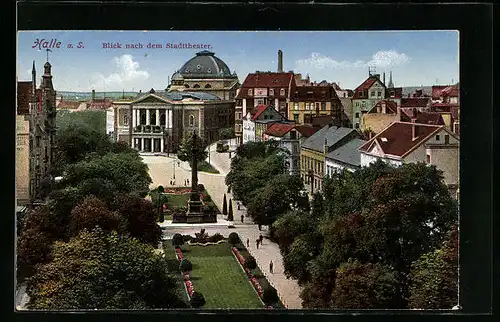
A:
233	238
197	300
162	217
185	265
270	296
250	262
201	187
207	198
186	238
215	238
178	240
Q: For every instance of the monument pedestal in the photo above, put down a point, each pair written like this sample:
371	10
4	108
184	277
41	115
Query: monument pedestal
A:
195	210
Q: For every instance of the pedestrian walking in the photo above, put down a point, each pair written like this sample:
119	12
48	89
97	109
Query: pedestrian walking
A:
257	243
260	227
248	242
271	267
242	218
170	182
261	238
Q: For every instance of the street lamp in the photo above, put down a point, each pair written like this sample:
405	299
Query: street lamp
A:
173	163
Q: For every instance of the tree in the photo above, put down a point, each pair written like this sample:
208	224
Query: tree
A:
296	261
230	212
227	133
185	152
93	212
233	238
270	296
99	270
250	262
290	226
33	247
197	300
434	277
365	286
177	240
224	206
317	205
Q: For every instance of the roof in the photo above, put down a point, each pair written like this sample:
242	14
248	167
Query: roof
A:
398	92
267	79
180	95
313	93
307	130
422	117
68	104
415	102
205	65
436	91
390	106
279	129
333	134
450	91
365	85
322	120
99	104
24	90
398	139
348	153
257	111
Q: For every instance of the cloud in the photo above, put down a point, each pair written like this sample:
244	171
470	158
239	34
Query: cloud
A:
128	73
379	59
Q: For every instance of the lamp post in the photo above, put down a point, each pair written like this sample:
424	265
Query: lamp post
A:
173	163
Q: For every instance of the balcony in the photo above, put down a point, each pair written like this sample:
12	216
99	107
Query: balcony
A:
158	129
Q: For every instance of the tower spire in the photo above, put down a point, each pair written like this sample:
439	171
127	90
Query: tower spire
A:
391	85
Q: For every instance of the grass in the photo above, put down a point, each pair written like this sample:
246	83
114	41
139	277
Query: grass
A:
204	166
217	274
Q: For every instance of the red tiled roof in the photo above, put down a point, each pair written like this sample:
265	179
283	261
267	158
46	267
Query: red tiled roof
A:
436	91
422	117
307	130
68	104
450	91
258	111
415	102
398	92
365	86
398	140
24	90
279	129
390	106
99	104
313	94
267	80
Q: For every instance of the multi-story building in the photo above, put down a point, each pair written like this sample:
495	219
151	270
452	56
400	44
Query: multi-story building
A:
366	96
309	101
446	101
156	122
313	152
290	137
258	119
42	128
407	142
346	157
24	93
264	88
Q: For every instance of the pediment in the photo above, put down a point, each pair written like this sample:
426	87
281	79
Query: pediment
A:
150	98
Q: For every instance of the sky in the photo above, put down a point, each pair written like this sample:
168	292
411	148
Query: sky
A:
416	58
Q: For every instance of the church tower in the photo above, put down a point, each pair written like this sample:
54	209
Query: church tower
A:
391	85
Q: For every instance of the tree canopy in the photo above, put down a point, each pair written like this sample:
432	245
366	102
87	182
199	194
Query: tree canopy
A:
185	152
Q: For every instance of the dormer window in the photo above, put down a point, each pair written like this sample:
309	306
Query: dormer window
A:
250	91
271	91
209	70
282	92
198	66
383	139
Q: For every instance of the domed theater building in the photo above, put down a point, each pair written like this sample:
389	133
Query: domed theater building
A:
199	97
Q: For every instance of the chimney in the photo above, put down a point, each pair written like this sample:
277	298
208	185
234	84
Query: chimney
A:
414	131
383	107
280	61
325	147
383	81
93	95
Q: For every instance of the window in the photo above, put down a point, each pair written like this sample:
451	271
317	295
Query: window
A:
296	117
363	104
437	137
208	86
427	159
379	94
196	86
357	115
307	106
361	94
323	106
373	93
357	125
191	120
271	91
282	92
345	94
250	92
125	119
317	106
296	106
446	139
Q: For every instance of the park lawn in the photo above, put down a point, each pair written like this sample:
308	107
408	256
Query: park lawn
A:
219	277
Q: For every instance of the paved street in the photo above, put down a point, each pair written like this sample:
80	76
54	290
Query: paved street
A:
161	172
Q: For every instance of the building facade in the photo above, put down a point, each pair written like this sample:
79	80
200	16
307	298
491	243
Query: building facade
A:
366	96
257	120
157	122
24	93
42	141
309	101
406	142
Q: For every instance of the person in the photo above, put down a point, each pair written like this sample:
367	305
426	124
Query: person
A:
261	238
238	205
188	181
271	267
242	218
248	242
170	182
257	243
260	227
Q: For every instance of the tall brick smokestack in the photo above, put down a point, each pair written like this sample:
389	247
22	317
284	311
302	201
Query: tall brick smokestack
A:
280	61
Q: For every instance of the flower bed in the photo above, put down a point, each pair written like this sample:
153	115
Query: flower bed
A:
206	244
187	281
253	280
